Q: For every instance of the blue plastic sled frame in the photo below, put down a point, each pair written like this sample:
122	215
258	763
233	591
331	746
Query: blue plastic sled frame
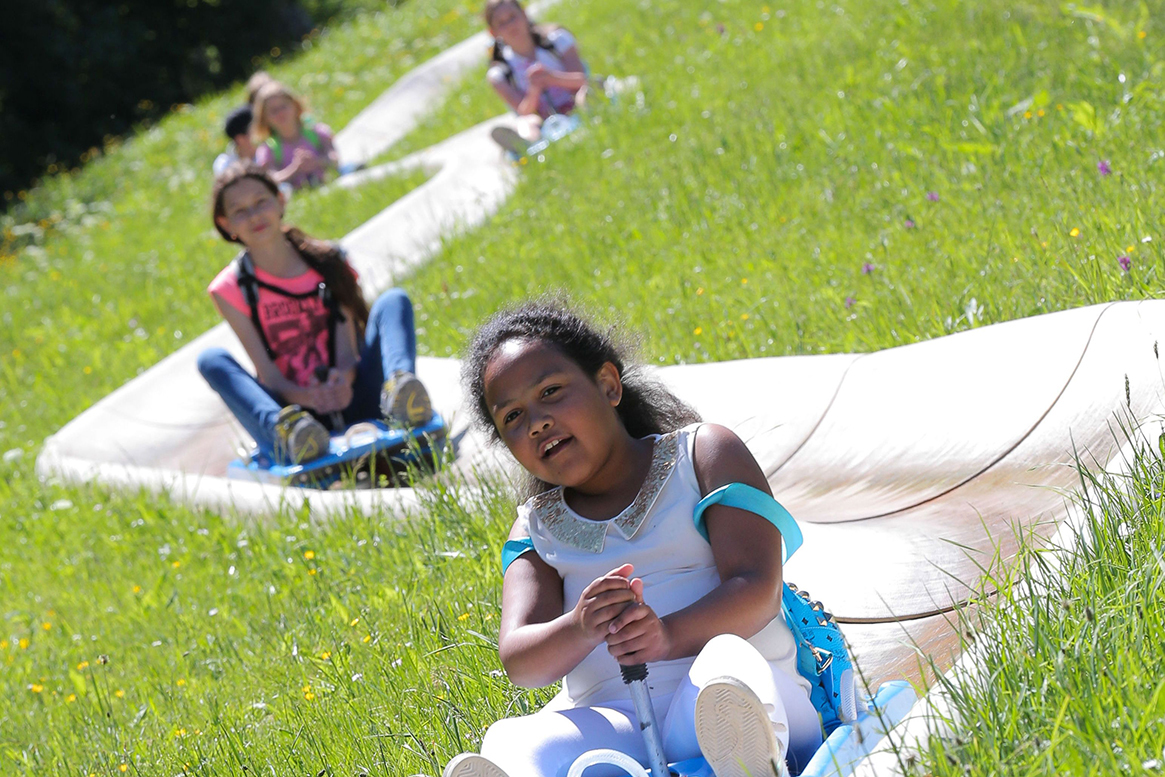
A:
345	451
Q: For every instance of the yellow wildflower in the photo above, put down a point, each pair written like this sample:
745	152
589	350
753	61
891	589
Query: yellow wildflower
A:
1130	249
698	330
176	564
309	554
1027	114
1142	34
326	655
137	589
309	696
23	643
463	616
759	26
81	667
119	693
46	626
699	291
744	317
123	768
311	571
36	687
744	281
367	639
87	370
1040	112
1075	232
354	621
180	682
72	697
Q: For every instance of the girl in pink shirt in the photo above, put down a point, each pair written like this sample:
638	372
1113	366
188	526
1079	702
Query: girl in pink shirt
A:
320	354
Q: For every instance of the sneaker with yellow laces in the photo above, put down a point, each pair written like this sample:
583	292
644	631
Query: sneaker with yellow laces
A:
404	400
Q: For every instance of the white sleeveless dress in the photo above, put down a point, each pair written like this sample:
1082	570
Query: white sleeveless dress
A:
657	534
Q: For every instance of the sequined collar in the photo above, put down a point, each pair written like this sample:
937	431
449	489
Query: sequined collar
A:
570	528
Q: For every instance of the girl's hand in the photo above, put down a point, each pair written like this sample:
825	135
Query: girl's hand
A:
601	602
324	398
340	381
538	76
638	636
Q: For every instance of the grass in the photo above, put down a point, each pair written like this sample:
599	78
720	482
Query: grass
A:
773	161
1069	675
770	194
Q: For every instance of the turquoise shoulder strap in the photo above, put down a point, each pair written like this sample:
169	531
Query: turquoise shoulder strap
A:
745	497
513	549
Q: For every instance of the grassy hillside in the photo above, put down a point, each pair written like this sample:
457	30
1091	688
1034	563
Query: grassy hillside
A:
795	179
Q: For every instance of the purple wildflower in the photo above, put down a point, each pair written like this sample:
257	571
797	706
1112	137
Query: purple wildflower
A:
868	268
932	196
720	29
849	302
1125	262
1103	167
909	224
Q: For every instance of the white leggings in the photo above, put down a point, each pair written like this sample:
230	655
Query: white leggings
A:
546	743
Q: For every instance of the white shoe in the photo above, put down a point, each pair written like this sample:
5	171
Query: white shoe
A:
735	733
472	765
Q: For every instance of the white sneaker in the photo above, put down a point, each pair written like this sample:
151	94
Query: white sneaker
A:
472	765
735	733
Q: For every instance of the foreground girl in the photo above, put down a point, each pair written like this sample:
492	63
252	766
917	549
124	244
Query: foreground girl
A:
536	69
607	565
295	304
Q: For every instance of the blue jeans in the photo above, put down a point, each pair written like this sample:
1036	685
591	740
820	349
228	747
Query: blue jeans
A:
390	344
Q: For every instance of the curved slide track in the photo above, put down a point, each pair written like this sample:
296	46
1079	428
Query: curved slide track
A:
910	469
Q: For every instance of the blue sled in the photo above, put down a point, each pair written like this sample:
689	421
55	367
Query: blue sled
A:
849	743
365	446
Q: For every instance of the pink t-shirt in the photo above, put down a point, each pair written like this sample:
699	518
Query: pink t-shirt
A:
297	329
265	156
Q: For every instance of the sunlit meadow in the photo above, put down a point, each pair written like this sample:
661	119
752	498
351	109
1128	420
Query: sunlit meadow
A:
804	178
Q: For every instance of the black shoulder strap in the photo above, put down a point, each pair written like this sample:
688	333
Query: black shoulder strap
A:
249	284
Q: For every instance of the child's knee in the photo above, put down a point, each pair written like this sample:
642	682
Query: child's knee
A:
393	300
502	737
212	362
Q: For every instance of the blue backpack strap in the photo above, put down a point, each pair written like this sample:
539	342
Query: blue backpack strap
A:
513	549
745	497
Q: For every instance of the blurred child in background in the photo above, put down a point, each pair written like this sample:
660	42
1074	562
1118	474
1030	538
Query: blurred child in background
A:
256	82
241	149
294	149
536	69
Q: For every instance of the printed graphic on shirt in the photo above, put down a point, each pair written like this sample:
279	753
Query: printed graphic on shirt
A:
298	332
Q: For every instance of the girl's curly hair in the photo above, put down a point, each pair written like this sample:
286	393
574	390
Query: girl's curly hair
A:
647	406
